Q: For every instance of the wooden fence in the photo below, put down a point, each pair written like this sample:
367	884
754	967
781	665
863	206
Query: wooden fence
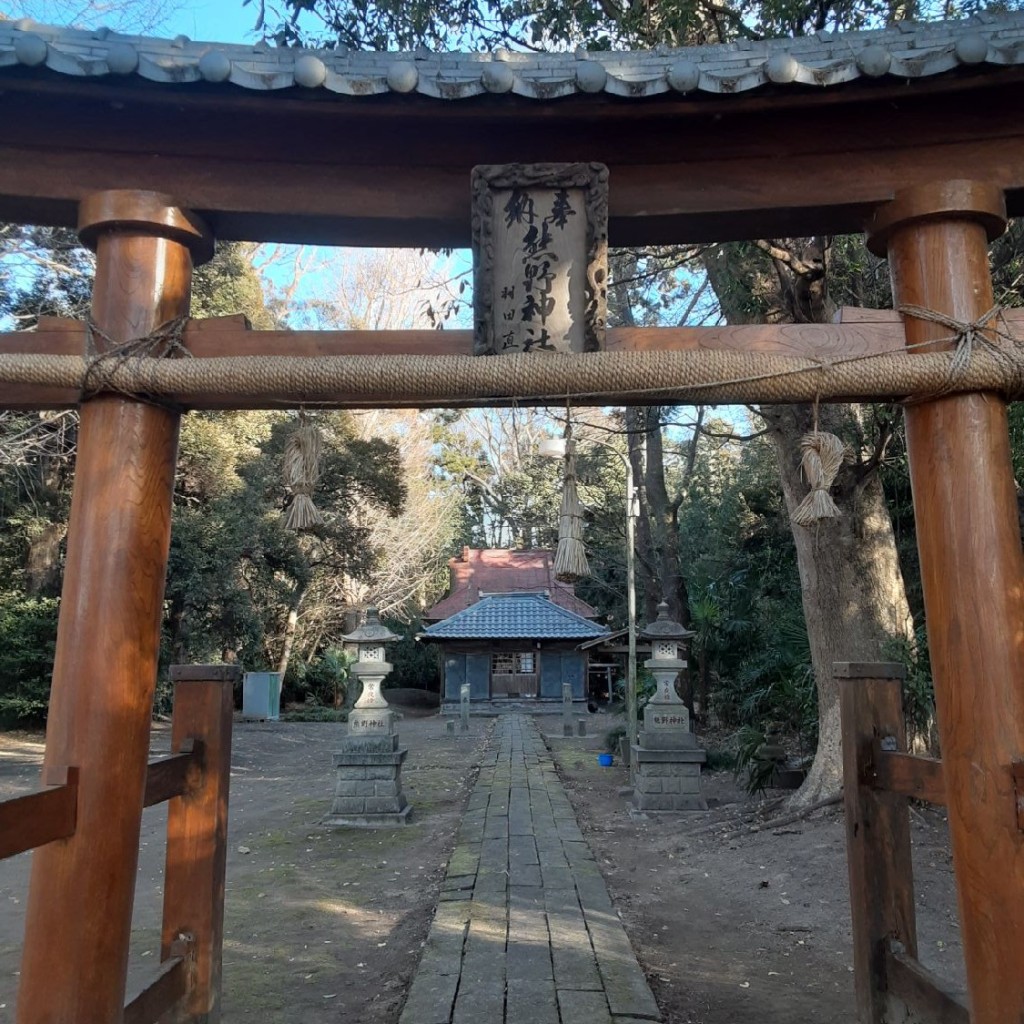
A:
185	985
879	776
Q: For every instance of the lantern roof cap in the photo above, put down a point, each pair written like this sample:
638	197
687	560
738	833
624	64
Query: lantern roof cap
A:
371	631
664	628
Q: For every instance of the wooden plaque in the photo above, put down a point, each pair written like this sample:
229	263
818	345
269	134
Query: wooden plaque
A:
540	257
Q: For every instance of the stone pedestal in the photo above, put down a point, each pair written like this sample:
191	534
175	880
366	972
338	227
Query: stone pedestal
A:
666	762
368	786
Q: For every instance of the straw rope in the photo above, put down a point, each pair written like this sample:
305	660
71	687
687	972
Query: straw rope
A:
301	466
822	457
989	333
571	556
699	377
164	342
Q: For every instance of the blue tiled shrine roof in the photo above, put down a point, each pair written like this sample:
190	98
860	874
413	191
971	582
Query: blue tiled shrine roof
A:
513	617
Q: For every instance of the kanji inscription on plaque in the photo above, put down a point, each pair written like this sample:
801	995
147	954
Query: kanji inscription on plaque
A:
540	252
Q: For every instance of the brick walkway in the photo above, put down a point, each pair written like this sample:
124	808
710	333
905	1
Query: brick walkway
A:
525	932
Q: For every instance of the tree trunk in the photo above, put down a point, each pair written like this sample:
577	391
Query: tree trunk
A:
42	566
289	633
854	598
648	590
664	516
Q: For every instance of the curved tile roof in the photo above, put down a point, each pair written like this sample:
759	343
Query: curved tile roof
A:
514	617
481	571
907	50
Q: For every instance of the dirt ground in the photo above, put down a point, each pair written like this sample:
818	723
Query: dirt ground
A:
327	925
741	927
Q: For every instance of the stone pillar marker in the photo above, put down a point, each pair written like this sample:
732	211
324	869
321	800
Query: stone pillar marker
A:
667	760
568	728
368	786
464	706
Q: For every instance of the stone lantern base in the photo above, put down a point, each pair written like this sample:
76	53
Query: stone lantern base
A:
368	787
666	763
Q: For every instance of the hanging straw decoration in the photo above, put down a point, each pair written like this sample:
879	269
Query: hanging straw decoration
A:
571	557
301	472
822	458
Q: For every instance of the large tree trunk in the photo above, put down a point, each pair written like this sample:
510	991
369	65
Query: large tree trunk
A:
854	597
664	514
649	590
42	566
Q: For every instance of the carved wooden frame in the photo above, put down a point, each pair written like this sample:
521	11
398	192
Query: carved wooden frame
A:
488	179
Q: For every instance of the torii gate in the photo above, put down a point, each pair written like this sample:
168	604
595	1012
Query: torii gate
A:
818	135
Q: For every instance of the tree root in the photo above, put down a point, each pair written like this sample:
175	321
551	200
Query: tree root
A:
788	819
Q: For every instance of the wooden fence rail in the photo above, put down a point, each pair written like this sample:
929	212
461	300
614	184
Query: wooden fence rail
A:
878	777
41	817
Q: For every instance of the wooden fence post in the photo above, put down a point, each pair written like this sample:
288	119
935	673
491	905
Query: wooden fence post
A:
79	911
972	571
197	824
877	831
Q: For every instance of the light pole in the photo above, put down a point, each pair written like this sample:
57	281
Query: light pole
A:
554	447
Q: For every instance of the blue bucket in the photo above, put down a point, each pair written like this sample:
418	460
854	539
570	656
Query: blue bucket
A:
605	760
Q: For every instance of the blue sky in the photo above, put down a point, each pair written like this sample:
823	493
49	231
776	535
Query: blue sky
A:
225	21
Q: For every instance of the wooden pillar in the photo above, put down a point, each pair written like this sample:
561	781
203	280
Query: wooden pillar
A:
973	574
78	920
877	831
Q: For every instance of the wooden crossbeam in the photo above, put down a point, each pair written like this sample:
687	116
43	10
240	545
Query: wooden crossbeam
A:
685	169
169	777
921	993
908	775
39	818
167	987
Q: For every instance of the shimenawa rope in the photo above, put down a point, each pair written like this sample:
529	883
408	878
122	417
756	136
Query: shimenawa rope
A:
571	556
301	465
705	376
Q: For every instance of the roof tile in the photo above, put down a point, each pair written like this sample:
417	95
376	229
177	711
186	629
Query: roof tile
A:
914	50
514	617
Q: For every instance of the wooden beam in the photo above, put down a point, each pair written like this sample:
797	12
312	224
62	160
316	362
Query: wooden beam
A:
917	994
972	570
35	819
858	332
169	777
160	994
79	915
877	832
908	775
683	169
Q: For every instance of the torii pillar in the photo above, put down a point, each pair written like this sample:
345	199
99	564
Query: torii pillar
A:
972	568
79	914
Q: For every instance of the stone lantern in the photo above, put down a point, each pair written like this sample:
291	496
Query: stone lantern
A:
368	786
666	760
665	664
371	712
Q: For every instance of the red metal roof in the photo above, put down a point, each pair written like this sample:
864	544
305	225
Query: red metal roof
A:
497	571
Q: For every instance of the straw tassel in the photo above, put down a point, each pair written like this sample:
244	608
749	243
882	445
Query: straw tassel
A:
571	557
823	455
301	473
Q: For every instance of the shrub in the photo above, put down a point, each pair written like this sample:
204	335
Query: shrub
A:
28	636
